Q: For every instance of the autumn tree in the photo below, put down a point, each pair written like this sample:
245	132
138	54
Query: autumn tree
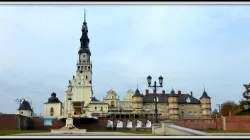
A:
229	106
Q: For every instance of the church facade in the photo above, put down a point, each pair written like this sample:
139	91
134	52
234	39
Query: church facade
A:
80	103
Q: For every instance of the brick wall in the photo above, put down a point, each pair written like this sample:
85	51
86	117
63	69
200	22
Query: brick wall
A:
238	123
232	123
89	124
197	124
218	123
8	122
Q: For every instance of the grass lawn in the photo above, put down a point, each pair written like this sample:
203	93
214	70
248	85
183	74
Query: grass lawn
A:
124	131
222	131
10	132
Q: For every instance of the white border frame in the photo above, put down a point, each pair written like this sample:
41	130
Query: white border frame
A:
129	3
127	137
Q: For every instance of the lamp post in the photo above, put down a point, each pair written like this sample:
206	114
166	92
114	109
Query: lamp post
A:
219	105
19	101
154	87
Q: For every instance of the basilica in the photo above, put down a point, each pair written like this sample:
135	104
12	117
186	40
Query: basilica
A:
80	103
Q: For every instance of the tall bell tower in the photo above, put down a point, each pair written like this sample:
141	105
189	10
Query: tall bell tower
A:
82	82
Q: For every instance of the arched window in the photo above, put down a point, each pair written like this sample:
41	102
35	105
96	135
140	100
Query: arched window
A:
86	77
95	108
101	108
51	110
89	68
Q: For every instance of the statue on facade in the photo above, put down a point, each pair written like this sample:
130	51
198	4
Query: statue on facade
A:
70	86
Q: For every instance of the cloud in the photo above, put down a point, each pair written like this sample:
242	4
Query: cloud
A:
189	45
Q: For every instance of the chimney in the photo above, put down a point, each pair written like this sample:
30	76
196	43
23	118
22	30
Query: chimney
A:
163	92
147	93
191	93
179	93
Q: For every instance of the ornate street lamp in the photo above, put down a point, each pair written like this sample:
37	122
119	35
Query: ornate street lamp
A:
160	80
149	78
219	105
154	87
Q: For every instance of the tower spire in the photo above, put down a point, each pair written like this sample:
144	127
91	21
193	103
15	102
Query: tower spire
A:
84	15
84	47
204	94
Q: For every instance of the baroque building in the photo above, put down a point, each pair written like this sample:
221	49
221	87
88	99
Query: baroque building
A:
79	101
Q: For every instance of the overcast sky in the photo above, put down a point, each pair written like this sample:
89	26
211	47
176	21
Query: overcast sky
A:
189	45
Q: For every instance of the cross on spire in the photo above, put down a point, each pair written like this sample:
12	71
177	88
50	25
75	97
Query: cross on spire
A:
204	87
84	15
